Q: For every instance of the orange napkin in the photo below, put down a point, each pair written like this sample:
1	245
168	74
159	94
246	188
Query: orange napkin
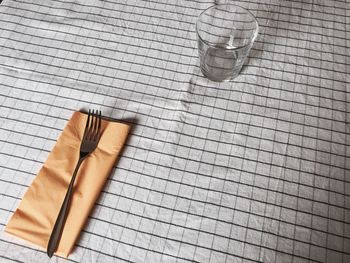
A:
37	212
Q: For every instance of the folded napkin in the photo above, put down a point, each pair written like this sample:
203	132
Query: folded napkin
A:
37	212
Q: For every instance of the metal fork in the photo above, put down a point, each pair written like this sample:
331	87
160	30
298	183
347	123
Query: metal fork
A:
88	145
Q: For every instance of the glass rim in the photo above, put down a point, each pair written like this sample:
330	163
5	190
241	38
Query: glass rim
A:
224	47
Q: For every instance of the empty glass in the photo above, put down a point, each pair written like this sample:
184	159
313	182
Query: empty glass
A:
225	35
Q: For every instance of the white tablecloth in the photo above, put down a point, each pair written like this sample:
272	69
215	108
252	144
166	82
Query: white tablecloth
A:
252	170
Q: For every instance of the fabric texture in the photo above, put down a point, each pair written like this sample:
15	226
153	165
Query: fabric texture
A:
252	170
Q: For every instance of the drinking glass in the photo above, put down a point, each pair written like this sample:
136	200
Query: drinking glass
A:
225	33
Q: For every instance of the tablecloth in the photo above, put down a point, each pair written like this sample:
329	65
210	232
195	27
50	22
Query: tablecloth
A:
251	170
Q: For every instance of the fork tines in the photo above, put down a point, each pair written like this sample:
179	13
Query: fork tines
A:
93	125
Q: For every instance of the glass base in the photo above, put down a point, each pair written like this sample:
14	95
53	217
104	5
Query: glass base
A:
220	76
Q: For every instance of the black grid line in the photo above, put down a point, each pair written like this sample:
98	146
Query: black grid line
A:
247	170
165	18
262	188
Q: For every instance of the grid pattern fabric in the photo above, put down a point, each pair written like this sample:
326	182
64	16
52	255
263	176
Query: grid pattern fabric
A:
252	170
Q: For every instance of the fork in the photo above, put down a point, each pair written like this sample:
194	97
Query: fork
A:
88	145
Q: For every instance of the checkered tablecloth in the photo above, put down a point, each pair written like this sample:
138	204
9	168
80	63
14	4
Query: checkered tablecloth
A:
252	170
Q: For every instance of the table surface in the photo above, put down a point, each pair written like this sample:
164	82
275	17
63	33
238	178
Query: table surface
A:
252	170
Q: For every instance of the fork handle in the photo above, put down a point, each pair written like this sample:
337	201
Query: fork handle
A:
62	216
